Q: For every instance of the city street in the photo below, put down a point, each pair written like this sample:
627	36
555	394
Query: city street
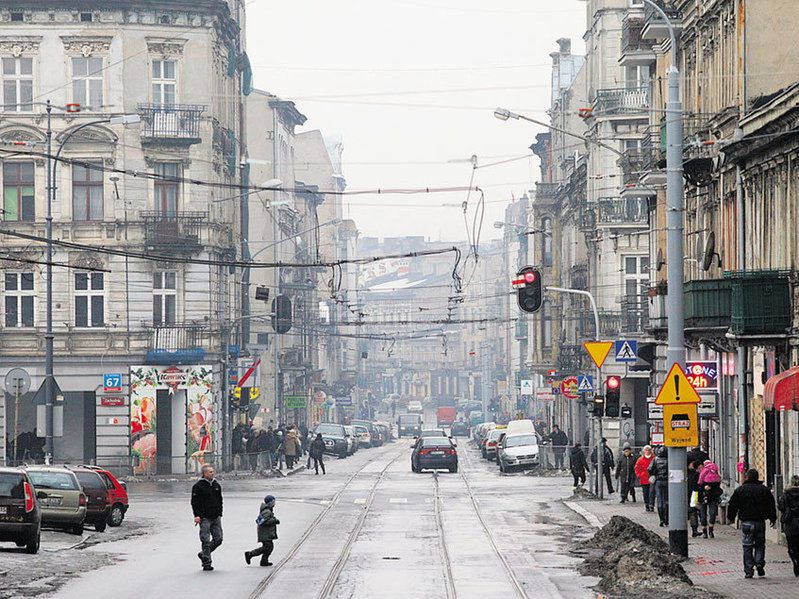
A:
369	527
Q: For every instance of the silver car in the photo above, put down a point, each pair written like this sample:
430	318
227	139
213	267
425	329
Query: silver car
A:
518	452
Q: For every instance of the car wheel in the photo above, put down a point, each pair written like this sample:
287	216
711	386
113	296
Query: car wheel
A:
454	469
116	516
19	543
33	544
77	529
100	526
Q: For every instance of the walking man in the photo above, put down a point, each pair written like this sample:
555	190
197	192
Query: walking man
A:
578	465
267	532
317	453
789	507
607	463
559	442
625	473
206	503
753	504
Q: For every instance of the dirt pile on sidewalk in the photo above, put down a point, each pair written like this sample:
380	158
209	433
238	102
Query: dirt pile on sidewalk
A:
632	561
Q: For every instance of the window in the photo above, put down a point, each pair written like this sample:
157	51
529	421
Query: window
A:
164	298
164	82
636	284
86	17
87	81
18	84
87	192
17	17
546	242
18	192
89	299
546	325
19	294
166	190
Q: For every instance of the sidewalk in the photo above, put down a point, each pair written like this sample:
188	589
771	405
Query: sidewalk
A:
714	564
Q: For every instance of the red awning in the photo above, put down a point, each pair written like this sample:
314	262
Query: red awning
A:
782	391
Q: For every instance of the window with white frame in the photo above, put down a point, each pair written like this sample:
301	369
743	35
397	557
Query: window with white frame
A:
636	284
18	84
164	82
19	294
89	299
546	325
87	191
19	198
87	81
165	296
546	241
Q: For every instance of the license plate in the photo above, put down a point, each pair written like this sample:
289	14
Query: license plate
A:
3	510
328	442
51	501
437	452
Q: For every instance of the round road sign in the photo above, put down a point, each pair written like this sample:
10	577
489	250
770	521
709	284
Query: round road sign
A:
18	381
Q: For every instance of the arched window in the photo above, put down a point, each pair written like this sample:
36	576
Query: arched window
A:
546	325
546	241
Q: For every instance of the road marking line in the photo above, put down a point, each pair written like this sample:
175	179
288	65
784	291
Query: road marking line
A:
589	517
360	501
325	502
398	500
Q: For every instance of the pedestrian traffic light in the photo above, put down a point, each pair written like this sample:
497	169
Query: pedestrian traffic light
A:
612	396
281	314
528	289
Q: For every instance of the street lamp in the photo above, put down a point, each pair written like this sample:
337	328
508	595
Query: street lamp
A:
48	337
521	229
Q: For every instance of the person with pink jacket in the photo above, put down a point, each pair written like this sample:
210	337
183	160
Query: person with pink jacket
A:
709	497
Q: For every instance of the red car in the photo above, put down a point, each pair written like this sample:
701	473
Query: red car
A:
117	495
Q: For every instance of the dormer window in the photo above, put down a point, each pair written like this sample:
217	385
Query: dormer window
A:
17	17
86	17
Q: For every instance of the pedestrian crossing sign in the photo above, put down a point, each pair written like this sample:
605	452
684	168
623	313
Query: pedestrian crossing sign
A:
626	350
585	383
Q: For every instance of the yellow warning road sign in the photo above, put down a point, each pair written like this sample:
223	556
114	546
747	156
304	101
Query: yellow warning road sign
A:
680	425
677	389
598	350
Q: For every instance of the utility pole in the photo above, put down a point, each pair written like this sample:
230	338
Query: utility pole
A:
48	335
484	386
675	354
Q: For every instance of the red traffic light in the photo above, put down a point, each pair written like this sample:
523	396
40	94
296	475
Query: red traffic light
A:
613	382
529	277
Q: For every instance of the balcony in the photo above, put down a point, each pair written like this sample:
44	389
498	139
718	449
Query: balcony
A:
635	314
633	170
761	302
707	304
177	124
610	324
635	51
632	101
546	191
654	158
623	212
177	344
571	359
655	27
179	231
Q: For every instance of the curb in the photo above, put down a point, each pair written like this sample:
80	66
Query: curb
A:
588	516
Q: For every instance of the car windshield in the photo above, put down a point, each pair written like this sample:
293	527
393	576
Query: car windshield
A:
434	433
11	485
361	430
436	442
495	433
409	419
519	440
330	429
61	481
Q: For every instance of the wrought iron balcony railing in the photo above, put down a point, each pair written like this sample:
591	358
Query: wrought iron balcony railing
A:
620	211
174	230
177	337
621	100
171	122
631	40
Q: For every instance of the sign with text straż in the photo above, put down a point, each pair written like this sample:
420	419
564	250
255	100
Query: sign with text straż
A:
680	425
676	389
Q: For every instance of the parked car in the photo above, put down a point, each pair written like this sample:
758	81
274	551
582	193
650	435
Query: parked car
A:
335	438
459	429
415	406
362	435
352	439
518	451
385	430
489	448
98	509
434	453
117	493
368	425
409	425
428	433
62	502
20	516
480	431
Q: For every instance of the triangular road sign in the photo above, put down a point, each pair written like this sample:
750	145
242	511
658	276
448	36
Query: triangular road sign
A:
598	350
677	389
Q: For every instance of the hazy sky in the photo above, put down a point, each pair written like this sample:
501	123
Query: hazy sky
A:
411	85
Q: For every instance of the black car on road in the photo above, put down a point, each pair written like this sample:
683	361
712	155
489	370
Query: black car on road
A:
20	517
434	453
335	438
459	429
98	509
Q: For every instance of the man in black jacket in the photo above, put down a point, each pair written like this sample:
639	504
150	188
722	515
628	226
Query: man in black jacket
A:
206	503
559	442
608	461
753	503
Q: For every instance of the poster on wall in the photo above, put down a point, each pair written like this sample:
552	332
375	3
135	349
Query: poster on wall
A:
145	381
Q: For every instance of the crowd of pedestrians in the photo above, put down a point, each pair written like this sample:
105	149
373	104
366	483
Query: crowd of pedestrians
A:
262	450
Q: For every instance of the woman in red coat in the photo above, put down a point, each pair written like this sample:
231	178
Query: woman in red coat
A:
642	472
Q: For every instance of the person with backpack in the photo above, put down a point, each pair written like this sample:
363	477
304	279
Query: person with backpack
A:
753	504
710	492
789	508
267	532
317	453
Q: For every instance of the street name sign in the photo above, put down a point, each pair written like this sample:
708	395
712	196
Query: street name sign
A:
598	350
676	389
626	350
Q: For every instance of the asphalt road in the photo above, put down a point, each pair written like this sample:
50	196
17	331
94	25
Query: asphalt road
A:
369	527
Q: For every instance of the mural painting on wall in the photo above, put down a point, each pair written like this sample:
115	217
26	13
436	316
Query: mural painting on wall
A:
145	381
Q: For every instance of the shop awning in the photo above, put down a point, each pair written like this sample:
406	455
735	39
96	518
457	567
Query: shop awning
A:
782	391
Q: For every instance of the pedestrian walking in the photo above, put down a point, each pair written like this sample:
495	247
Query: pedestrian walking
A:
559	442
206	504
642	472
317	453
237	445
291	447
304	444
578	465
279	458
266	523
659	473
753	504
253	443
696	454
693	497
789	510
607	462
625	473
709	497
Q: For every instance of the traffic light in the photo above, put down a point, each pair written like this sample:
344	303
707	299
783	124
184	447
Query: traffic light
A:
612	396
281	314
528	289
598	406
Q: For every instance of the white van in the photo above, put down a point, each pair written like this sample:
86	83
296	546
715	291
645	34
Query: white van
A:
520	427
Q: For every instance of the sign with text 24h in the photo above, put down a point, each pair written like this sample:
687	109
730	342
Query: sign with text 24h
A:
703	375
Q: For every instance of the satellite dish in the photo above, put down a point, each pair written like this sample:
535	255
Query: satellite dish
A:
710	252
660	261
